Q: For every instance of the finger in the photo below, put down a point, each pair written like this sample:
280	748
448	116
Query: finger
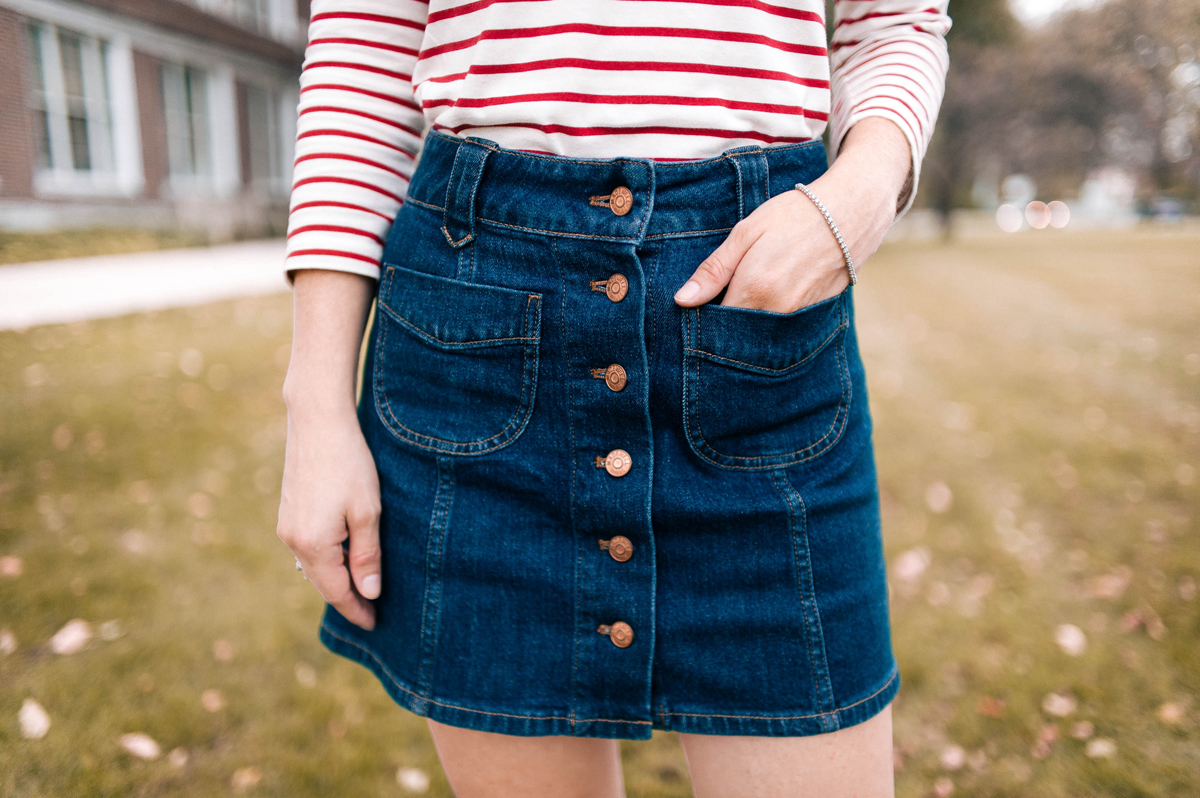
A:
326	569
715	272
363	523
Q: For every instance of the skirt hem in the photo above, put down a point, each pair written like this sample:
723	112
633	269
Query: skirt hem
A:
781	725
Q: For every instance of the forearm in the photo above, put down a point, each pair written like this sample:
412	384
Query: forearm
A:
330	315
875	165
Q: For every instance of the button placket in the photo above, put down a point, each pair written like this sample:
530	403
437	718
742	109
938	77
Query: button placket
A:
615	589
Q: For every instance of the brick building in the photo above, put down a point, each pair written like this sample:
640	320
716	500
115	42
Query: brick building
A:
148	113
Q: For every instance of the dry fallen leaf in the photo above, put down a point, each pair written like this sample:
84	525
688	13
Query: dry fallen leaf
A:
1058	704
306	674
141	745
34	720
953	757
911	564
413	779
212	700
1070	639
245	779
71	639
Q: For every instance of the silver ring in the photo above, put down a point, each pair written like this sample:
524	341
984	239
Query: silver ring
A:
300	568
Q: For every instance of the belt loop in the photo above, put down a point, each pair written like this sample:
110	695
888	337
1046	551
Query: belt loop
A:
754	177
465	174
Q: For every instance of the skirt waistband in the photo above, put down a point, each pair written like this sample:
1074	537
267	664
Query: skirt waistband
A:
627	200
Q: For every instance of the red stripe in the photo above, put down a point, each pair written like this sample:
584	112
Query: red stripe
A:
359	136
346	181
336	252
910	92
393	48
879	14
935	64
380	18
337	156
634	131
332	204
578	97
338	110
609	30
779	11
892	110
360	67
407	103
631	66
333	228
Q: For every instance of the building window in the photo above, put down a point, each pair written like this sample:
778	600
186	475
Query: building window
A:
253	14
185	100
265	140
72	117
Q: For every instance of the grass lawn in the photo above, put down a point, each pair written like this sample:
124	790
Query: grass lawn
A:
24	247
1037	405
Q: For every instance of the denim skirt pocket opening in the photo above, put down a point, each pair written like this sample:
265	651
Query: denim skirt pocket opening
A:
765	390
456	363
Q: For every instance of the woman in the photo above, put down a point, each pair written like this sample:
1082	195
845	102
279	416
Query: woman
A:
611	470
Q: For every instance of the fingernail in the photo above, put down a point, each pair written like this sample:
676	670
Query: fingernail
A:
370	586
689	291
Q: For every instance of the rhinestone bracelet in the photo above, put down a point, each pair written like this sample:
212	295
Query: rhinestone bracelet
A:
836	233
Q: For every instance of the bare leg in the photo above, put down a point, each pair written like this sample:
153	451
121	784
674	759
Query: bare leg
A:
850	763
485	765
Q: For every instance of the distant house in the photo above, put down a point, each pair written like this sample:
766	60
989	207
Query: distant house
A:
148	113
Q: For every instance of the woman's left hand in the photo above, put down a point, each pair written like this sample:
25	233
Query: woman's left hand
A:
783	256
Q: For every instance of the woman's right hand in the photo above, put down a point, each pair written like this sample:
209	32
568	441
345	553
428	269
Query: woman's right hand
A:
330	485
331	493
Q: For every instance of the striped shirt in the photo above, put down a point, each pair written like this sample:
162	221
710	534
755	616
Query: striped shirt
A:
660	79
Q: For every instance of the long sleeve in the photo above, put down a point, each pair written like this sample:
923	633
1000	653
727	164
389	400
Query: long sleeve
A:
889	60
358	131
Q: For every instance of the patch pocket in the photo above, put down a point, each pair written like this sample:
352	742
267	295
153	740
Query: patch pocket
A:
455	363
765	390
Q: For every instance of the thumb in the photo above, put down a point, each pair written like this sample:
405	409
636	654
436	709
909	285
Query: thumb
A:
363	525
715	272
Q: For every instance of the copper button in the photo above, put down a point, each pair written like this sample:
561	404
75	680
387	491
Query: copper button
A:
620	633
614	377
617	287
617	463
621	200
619	548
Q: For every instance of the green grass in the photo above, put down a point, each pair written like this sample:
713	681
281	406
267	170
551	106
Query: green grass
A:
1051	382
25	247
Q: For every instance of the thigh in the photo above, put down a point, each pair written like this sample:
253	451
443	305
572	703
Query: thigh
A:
485	765
856	761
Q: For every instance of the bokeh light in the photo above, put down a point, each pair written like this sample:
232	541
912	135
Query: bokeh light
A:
1060	214
1009	218
1037	214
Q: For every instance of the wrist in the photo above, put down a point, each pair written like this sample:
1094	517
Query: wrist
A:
312	398
875	160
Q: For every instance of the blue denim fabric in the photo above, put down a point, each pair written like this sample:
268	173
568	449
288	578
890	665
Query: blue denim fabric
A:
756	590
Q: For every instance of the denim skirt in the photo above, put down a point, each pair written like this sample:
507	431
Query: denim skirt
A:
603	513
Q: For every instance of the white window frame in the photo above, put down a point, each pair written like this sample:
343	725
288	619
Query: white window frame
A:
114	144
218	168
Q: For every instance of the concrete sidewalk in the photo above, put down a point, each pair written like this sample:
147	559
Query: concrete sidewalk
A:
56	291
